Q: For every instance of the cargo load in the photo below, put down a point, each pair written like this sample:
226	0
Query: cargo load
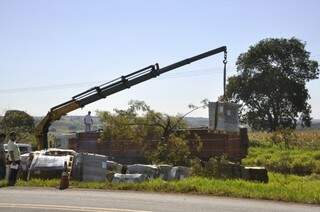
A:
179	172
47	166
128	178
150	171
89	167
164	171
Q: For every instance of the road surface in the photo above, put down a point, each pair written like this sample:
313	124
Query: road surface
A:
38	199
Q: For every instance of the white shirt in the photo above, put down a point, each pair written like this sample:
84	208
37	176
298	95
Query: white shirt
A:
88	119
12	146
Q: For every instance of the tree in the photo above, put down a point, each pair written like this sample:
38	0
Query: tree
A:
157	133
271	84
19	121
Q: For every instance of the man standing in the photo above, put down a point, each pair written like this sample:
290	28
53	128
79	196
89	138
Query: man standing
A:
88	122
14	158
2	157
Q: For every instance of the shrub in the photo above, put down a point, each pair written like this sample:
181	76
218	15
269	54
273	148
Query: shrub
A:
316	167
216	167
175	151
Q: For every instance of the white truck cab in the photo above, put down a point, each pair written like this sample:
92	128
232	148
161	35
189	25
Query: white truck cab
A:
24	148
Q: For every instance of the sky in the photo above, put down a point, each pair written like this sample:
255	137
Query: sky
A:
53	50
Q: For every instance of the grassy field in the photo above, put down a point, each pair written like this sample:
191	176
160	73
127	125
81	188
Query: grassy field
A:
295	161
305	139
280	187
289	153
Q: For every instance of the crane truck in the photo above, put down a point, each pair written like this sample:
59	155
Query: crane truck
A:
99	92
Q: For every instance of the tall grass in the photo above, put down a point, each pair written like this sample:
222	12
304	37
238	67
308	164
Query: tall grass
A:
305	139
288	152
294	161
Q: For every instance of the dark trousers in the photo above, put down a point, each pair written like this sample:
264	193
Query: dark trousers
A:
2	170
13	175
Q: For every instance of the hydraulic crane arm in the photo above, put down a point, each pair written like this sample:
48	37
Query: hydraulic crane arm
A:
109	88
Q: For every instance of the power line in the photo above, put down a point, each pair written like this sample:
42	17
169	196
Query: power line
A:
184	74
45	88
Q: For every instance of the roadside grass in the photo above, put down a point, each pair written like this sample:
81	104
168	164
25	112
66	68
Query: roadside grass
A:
3	183
288	188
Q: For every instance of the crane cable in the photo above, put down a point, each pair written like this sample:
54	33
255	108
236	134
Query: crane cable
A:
224	72
224	90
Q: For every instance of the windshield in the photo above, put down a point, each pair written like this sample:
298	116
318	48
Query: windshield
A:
23	149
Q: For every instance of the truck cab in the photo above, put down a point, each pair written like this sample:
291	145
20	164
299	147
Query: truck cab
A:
24	148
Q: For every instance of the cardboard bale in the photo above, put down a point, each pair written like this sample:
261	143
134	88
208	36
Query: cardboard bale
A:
230	170
259	174
164	171
89	167
150	171
47	167
223	116
179	172
128	178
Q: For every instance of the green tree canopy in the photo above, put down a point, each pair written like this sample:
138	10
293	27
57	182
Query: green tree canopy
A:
271	84
19	121
157	133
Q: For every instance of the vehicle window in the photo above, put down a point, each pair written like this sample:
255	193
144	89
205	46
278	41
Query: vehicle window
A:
23	149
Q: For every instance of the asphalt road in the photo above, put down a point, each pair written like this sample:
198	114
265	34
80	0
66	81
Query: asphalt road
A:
37	199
